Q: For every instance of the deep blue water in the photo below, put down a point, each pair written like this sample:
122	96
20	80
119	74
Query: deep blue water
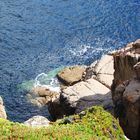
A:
40	35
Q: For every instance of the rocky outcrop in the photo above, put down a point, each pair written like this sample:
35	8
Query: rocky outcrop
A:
80	96
37	121
102	70
71	75
41	95
126	89
85	87
127	107
124	60
2	109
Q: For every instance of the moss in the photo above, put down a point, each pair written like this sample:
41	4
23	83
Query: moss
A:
93	124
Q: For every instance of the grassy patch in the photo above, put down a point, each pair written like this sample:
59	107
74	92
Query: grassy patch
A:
94	124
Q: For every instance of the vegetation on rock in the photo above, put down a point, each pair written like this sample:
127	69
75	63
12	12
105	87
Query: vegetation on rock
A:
92	124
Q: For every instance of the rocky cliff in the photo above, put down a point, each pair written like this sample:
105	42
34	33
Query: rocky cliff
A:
126	89
124	60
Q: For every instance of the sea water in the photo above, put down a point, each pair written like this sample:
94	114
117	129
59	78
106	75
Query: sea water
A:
39	36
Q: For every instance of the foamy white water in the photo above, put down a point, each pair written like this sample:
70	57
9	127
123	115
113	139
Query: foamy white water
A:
43	80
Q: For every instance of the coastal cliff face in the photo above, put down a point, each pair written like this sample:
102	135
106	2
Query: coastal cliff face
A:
2	109
112	82
126	89
124	60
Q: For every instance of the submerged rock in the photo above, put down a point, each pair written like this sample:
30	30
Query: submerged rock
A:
71	75
37	121
2	109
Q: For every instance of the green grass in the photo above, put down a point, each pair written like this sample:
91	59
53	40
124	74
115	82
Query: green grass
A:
95	124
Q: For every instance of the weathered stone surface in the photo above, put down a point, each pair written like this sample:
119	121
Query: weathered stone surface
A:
136	46
2	109
43	91
71	75
124	60
102	70
127	107
126	89
82	95
41	96
37	121
105	65
137	70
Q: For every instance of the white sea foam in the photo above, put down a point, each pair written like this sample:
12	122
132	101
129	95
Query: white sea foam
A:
50	83
81	50
98	45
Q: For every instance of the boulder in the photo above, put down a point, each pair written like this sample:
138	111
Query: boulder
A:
37	121
43	91
102	70
71	75
41	95
82	95
2	109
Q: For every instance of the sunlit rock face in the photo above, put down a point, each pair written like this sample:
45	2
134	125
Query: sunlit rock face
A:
126	89
2	109
124	60
71	75
85	94
84	87
102	70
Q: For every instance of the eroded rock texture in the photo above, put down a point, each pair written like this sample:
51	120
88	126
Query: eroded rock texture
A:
124	60
85	87
71	75
126	89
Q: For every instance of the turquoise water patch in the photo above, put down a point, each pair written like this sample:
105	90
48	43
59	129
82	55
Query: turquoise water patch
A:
42	79
26	85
